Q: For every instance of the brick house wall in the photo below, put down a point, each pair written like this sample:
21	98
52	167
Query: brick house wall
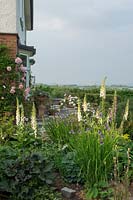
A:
11	41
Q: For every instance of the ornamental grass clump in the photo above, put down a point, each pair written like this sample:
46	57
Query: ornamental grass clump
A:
60	130
94	154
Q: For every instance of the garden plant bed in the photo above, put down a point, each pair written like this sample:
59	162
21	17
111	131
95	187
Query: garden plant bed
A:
80	191
82	153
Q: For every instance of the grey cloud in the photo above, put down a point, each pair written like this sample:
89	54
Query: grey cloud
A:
81	41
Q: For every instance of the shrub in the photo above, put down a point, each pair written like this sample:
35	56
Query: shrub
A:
20	176
68	168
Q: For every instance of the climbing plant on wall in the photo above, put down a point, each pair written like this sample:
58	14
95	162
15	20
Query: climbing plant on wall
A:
12	81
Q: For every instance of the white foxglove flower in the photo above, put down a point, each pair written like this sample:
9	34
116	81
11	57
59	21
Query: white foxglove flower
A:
103	89
126	111
17	112
85	104
34	120
79	112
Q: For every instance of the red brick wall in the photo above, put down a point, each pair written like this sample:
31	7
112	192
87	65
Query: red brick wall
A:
10	40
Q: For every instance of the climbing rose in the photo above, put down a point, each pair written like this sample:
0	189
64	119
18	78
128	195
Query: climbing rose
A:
21	86
24	74
18	60
27	90
9	68
23	79
23	69
12	91
13	88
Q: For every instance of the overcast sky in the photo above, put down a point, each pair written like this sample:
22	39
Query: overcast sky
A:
82	41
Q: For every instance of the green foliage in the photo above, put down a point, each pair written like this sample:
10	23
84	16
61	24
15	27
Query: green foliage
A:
24	166
94	155
46	193
100	191
82	152
93	143
123	159
68	168
92	95
20	176
25	139
7	130
9	77
59	130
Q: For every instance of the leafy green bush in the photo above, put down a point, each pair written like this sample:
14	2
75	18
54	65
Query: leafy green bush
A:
20	176
7	130
46	193
68	168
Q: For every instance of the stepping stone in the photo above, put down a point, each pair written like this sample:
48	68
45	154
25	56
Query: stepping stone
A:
68	193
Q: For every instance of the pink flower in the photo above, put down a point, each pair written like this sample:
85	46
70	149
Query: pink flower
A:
13	88
18	60
27	90
25	74
23	69
21	86
9	68
12	91
23	79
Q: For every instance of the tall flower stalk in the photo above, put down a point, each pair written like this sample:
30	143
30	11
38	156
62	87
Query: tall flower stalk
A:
17	112
114	106
103	89
79	111
103	96
34	120
111	118
125	116
85	104
22	115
